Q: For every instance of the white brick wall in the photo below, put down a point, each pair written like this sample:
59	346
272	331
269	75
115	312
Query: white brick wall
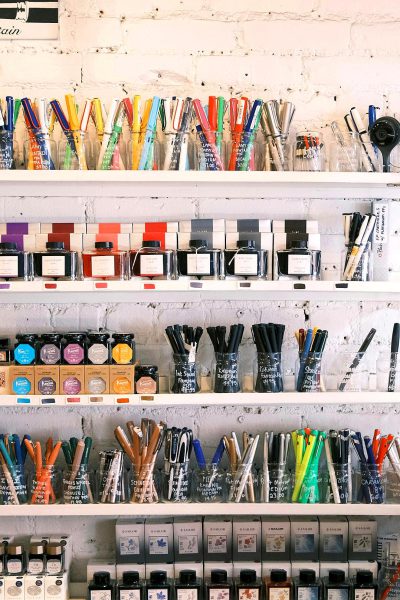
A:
324	55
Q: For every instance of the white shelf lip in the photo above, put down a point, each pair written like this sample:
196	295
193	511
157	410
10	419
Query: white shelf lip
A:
195	509
206	399
290	184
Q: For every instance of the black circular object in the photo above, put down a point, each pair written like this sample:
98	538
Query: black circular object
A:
278	575
8	246
246	244
364	578
219	576
307	576
104	245
101	578
158	577
385	134
299	244
187	576
336	576
248	576
54	245
151	244
130	578
198	244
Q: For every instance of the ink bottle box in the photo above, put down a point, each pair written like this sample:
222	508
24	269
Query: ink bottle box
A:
275	538
72	380
34	587
22	380
362	538
97	379
333	538
122	379
47	380
246	535
129	538
159	540
217	539
188	539
304	538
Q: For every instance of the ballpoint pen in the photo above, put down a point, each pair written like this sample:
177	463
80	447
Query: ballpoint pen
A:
135	132
247	140
367	154
97	115
182	138
394	349
213	157
236	130
62	119
273	149
173	123
220	122
271	111
113	140
42	157
44	127
74	126
146	157
108	129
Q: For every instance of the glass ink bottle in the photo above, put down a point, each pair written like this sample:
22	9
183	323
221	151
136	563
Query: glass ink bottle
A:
199	261
56	262
98	352
14	263
36	562
25	349
104	262
102	587
54	559
187	586
15	563
248	586
131	587
74	349
146	379
50	349
306	586
151	262
158	587
218	586
246	261
297	262
335	586
123	349
364	587
278	585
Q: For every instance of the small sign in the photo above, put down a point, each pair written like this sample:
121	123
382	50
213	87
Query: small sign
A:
29	20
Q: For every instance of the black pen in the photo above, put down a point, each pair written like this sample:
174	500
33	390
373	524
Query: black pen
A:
357	359
394	349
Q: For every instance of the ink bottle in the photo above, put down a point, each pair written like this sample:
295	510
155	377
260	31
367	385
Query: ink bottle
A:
36	562
2	559
14	263
218	586
297	262
56	262
364	587
74	349
98	352
336	586
158	587
104	262
188	586
306	586
25	349
151	262
101	588
278	585
246	261
131	587
54	559
199	261
146	379
15	564
50	349
248	586
123	349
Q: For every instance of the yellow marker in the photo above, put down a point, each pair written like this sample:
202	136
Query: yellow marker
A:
135	132
98	118
304	464
299	449
52	121
314	331
74	126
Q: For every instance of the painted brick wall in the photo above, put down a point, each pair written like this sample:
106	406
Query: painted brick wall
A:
325	56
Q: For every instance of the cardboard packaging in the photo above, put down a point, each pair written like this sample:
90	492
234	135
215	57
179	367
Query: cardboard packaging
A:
188	539
72	380
304	538
217	539
362	538
202	226
19	228
71	241
5	379
120	240
14	587
295	226
22	380
56	587
168	241
122	379
156	226
250	225
333	538
129	538
2	587
23	242
62	228
275	538
109	228
214	239
97	379
298	566
246	535
34	587
159	540
47	380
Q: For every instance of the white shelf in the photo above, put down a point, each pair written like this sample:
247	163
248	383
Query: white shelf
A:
189	184
179	509
363	399
183	290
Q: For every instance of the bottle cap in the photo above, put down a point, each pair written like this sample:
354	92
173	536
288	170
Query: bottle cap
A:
8	246
54	549
98	336
219	576
123	337
130	578
278	575
297	244
50	337
14	549
364	578
101	578
187	576
151	244
103	245
36	549
246	244
198	244
307	576
336	576
55	245
158	577
248	576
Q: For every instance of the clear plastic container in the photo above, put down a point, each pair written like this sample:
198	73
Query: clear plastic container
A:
309	151
388	372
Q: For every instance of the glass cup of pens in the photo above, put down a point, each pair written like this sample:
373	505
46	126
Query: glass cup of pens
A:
309	151
78	485
184	375
76	152
173	153
8	150
209	152
177	482
309	374
46	485
275	483
368	483
210	484
243	486
345	153
244	153
143	484
362	270
13	487
389	577
352	372
40	152
115	157
268	372
336	485
388	372
226	373
111	477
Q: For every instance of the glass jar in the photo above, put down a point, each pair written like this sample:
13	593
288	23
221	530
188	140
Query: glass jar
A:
226	373
209	484
345	157
146	379
98	350
362	269
247	155
73	158
352	372
36	562
25	349
78	485
199	261
309	151
184	375
151	262
15	560
268	372
309	373
56	262
17	492
144	484
134	155
14	263
50	349
246	262
123	349
45	485
177	483
388	372
54	559
74	349
276	483
104	262
175	152
208	155
115	158
40	152
112	483
8	150
388	578
298	263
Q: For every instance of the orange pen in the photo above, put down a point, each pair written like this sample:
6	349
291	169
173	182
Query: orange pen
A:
242	108
375	442
212	115
384	446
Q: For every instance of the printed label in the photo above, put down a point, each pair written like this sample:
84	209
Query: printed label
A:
146	385
275	543
151	265
247	542
50	354
100	595
98	354
188	544
248	594
14	566
217	544
161	594
35	566
198	264
333	543
362	543
158	545
364	594
337	594
308	593
299	264
8	266
129	595
218	593
187	594
53	266
245	264
21	385
53	567
24	354
103	266
278	593
74	354
34	590
304	543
